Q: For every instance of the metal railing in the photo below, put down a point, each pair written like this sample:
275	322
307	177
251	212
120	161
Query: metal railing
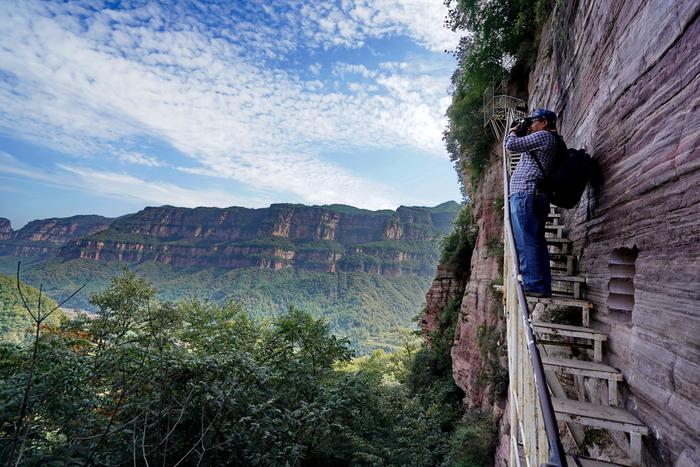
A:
534	430
497	106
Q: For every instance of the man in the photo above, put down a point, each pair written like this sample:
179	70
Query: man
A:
529	205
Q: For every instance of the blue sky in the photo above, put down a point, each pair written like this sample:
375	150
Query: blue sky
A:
107	107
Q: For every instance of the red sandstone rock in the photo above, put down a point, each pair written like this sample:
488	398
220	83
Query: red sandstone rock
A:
480	307
445	287
625	78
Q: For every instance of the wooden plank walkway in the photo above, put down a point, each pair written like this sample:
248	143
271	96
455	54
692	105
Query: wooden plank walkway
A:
600	416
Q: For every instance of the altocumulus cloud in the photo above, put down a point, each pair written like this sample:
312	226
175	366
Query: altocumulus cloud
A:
210	81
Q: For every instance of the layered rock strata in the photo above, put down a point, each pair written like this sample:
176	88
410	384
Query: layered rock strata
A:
47	236
446	286
5	229
317	238
625	80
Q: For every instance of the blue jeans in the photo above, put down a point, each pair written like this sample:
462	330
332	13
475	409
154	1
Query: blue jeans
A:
528	215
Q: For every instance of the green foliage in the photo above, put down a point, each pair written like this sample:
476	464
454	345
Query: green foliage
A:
15	321
320	245
366	308
195	382
458	245
282	243
451	207
498	205
501	40
346	209
495	249
443	337
491	342
474	440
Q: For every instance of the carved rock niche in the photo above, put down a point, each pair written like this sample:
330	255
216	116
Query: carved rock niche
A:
621	284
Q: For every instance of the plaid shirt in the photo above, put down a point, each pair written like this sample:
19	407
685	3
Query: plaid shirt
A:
527	173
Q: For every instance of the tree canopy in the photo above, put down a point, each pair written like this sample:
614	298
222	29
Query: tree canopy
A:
188	382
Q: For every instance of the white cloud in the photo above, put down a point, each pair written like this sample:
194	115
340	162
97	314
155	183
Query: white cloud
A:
121	185
422	19
139	159
341	69
306	176
315	68
84	80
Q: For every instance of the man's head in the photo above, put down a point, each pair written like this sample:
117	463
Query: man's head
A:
542	119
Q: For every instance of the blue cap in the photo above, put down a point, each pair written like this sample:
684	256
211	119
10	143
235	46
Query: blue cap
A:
544	113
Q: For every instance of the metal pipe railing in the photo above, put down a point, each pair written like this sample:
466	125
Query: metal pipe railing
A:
556	455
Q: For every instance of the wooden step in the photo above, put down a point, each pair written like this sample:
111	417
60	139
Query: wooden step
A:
589	370
557	230
584	305
554	221
561	257
569	278
586	462
583	368
558	300
602	416
549	226
574	281
559	268
577	332
564	244
570	331
568	290
561	301
567	262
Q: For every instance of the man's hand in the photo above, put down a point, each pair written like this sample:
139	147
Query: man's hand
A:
514	125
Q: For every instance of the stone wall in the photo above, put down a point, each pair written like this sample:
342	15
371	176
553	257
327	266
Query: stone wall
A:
624	77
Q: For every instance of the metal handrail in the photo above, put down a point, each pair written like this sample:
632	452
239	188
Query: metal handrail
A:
557	456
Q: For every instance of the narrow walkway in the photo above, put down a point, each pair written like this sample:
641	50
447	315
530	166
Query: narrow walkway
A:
570	351
576	351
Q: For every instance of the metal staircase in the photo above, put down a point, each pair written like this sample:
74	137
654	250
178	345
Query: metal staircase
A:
562	353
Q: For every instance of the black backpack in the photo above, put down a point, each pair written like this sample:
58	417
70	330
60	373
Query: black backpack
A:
568	176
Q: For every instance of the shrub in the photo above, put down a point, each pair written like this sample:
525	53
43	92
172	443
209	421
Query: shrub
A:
458	245
473	442
501	43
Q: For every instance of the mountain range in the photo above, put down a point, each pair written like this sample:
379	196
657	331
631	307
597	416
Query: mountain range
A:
366	271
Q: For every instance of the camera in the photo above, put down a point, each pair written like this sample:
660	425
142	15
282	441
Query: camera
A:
522	126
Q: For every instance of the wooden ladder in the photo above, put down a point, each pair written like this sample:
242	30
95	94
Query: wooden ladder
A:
568	291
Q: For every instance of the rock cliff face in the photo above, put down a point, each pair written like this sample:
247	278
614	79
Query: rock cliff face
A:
446	286
317	238
479	340
481	309
5	229
624	78
45	237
